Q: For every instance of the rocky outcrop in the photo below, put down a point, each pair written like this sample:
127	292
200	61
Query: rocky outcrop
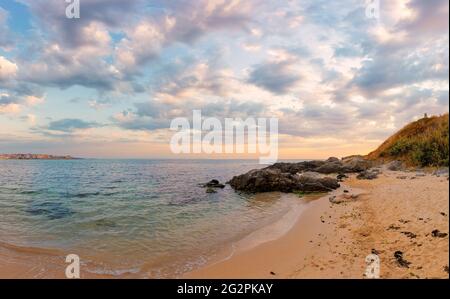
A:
307	176
350	164
355	164
270	179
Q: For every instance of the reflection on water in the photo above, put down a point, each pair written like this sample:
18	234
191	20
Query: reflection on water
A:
142	216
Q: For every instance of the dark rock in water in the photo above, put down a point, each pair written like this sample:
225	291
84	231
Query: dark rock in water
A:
213	184
437	234
210	190
270	179
367	175
400	260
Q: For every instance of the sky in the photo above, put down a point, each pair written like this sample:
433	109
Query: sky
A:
108	84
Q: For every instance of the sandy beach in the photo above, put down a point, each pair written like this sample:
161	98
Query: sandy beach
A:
397	212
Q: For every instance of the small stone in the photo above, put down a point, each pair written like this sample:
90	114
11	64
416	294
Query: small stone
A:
437	234
398	255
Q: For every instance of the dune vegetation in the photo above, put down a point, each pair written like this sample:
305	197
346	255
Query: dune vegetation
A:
422	143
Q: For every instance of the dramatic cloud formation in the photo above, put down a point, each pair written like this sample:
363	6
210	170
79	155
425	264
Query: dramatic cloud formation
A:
338	80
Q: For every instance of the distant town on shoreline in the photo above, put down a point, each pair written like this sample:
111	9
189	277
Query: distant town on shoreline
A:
34	157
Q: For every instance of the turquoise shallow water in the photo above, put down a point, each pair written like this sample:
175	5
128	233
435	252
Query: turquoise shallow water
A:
145	217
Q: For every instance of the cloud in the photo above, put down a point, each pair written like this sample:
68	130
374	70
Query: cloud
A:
276	77
69	125
8	69
323	68
431	17
6	40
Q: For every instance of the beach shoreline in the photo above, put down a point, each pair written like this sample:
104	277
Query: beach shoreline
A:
324	239
332	240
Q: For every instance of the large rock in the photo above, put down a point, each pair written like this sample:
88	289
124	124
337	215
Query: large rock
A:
332	159
367	175
288	177
313	182
355	164
395	165
330	167
269	179
294	168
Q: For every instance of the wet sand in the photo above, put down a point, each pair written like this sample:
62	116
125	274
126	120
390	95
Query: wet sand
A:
396	212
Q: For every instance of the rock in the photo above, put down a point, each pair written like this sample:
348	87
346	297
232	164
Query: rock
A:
213	184
409	235
437	234
330	167
402	177
273	179
340	177
398	255
313	183
395	165
367	175
294	168
345	197
393	227
374	251
355	164
210	190
332	159
441	172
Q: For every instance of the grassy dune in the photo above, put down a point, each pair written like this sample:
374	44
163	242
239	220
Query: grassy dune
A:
421	143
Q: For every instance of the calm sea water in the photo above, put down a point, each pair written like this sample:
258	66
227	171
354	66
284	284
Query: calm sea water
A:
148	218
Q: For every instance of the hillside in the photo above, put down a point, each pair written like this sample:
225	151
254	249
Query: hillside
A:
421	143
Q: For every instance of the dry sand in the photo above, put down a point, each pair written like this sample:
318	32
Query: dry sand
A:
396	212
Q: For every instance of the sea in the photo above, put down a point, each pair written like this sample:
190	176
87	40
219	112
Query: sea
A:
132	218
